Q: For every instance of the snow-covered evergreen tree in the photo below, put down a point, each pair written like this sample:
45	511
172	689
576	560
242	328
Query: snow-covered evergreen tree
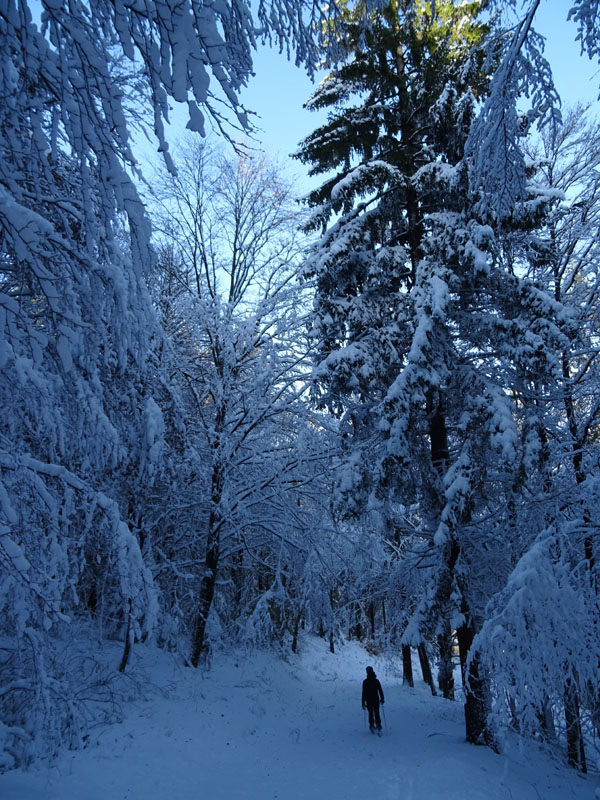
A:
437	347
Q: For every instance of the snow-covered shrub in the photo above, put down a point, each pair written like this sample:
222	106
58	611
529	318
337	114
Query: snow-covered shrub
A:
540	640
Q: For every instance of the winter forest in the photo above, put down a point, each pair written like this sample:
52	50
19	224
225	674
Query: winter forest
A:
231	419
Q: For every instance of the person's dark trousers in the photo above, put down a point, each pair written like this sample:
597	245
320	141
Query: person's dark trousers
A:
374	718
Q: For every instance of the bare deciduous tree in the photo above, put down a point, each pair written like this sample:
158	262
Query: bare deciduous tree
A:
228	233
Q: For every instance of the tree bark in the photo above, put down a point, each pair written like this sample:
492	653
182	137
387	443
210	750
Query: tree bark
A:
127	644
295	633
211	564
476	682
207	593
438	433
575	743
426	667
415	230
407	671
547	721
356	630
446	665
332	605
371	615
476	687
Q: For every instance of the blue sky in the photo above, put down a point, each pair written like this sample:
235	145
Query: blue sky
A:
279	89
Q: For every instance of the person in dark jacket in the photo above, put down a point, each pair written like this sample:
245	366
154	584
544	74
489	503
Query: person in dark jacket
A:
372	695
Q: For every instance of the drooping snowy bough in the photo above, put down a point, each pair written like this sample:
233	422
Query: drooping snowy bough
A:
84	391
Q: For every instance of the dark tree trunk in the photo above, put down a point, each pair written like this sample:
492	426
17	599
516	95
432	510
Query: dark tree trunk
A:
476	682
438	433
207	593
357	630
371	615
446	665
213	545
476	688
237	576
332	606
127	644
295	633
575	743
514	717
425	667
547	721
578	441
407	671
413	237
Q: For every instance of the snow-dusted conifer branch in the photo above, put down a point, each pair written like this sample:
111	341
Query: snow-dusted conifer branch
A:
201	55
497	164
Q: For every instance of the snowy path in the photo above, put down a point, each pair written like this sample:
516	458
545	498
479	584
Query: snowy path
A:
266	730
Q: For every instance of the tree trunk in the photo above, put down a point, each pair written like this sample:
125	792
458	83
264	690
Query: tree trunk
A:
213	543
575	743
438	433
371	615
425	667
476	688
578	466
415	230
476	682
514	717
446	665
295	633
127	645
332	605
407	671
211	564
207	593
547	721
357	630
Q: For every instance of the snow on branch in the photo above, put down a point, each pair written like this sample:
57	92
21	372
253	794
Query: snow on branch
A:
497	162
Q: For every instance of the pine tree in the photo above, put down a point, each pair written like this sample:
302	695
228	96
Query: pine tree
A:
434	341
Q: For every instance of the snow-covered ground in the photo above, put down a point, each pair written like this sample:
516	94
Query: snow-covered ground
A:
258	727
